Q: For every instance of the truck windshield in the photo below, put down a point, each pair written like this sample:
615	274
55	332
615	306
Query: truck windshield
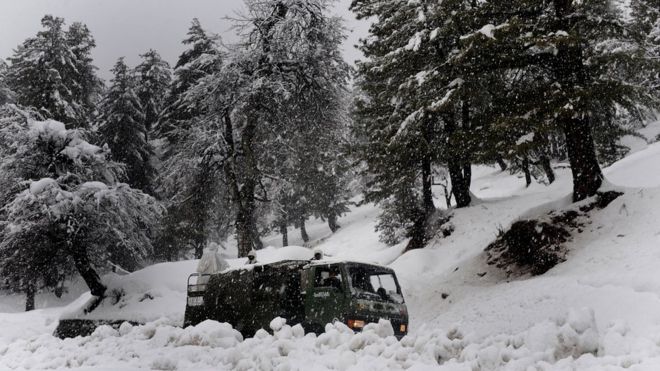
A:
374	284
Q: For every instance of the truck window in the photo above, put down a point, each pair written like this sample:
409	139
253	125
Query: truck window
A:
328	277
374	284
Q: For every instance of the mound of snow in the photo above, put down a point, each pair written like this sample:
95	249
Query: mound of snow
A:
159	291
571	342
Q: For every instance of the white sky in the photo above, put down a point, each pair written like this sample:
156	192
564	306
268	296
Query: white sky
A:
130	27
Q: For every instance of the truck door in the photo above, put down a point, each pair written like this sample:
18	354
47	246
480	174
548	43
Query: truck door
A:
326	295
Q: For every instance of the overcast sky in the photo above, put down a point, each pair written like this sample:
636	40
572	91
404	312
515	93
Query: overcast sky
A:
130	27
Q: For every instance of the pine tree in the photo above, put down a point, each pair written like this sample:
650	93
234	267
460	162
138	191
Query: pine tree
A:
52	72
122	128
88	86
581	56
202	59
6	95
400	116
196	201
153	81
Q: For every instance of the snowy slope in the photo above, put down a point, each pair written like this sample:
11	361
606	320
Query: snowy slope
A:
598	310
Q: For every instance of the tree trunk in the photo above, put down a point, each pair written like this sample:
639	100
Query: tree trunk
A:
587	175
459	187
427	191
303	230
570	71
447	196
500	161
242	192
547	168
243	231
254	232
467	175
199	250
30	291
417	234
332	223
525	169
84	267
427	167
285	234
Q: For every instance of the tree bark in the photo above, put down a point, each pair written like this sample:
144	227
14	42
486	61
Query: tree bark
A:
467	174
587	175
547	168
285	234
459	187
500	161
570	71
427	191
242	194
30	291
84	267
525	169
303	230
332	223
418	237
199	250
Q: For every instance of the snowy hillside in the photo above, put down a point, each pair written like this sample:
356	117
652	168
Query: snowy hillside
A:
599	309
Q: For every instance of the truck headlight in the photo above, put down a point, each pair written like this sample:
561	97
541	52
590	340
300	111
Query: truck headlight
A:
195	301
355	323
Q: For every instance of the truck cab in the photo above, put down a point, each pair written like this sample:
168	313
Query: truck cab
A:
311	293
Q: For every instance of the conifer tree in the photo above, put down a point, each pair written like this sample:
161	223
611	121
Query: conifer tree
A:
196	200
52	72
122	128
153	82
6	95
202	59
581	55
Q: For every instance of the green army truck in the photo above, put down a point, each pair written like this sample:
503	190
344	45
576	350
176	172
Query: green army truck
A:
311	293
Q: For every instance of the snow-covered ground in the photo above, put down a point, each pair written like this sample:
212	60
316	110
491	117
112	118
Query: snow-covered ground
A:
599	310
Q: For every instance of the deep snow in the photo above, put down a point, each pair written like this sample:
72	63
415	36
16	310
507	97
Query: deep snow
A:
598	310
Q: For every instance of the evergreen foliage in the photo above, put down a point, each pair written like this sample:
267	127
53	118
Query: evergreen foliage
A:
122	128
190	182
53	73
153	81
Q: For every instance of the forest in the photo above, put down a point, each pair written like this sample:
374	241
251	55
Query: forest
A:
240	141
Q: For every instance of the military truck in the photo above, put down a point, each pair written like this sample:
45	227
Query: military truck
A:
311	293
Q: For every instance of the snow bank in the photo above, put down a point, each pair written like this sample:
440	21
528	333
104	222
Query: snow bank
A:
571	342
158	292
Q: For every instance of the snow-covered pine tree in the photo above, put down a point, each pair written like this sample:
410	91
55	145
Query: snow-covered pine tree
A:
201	59
88	86
190	181
646	22
67	212
409	111
582	55
121	125
52	72
153	81
6	95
